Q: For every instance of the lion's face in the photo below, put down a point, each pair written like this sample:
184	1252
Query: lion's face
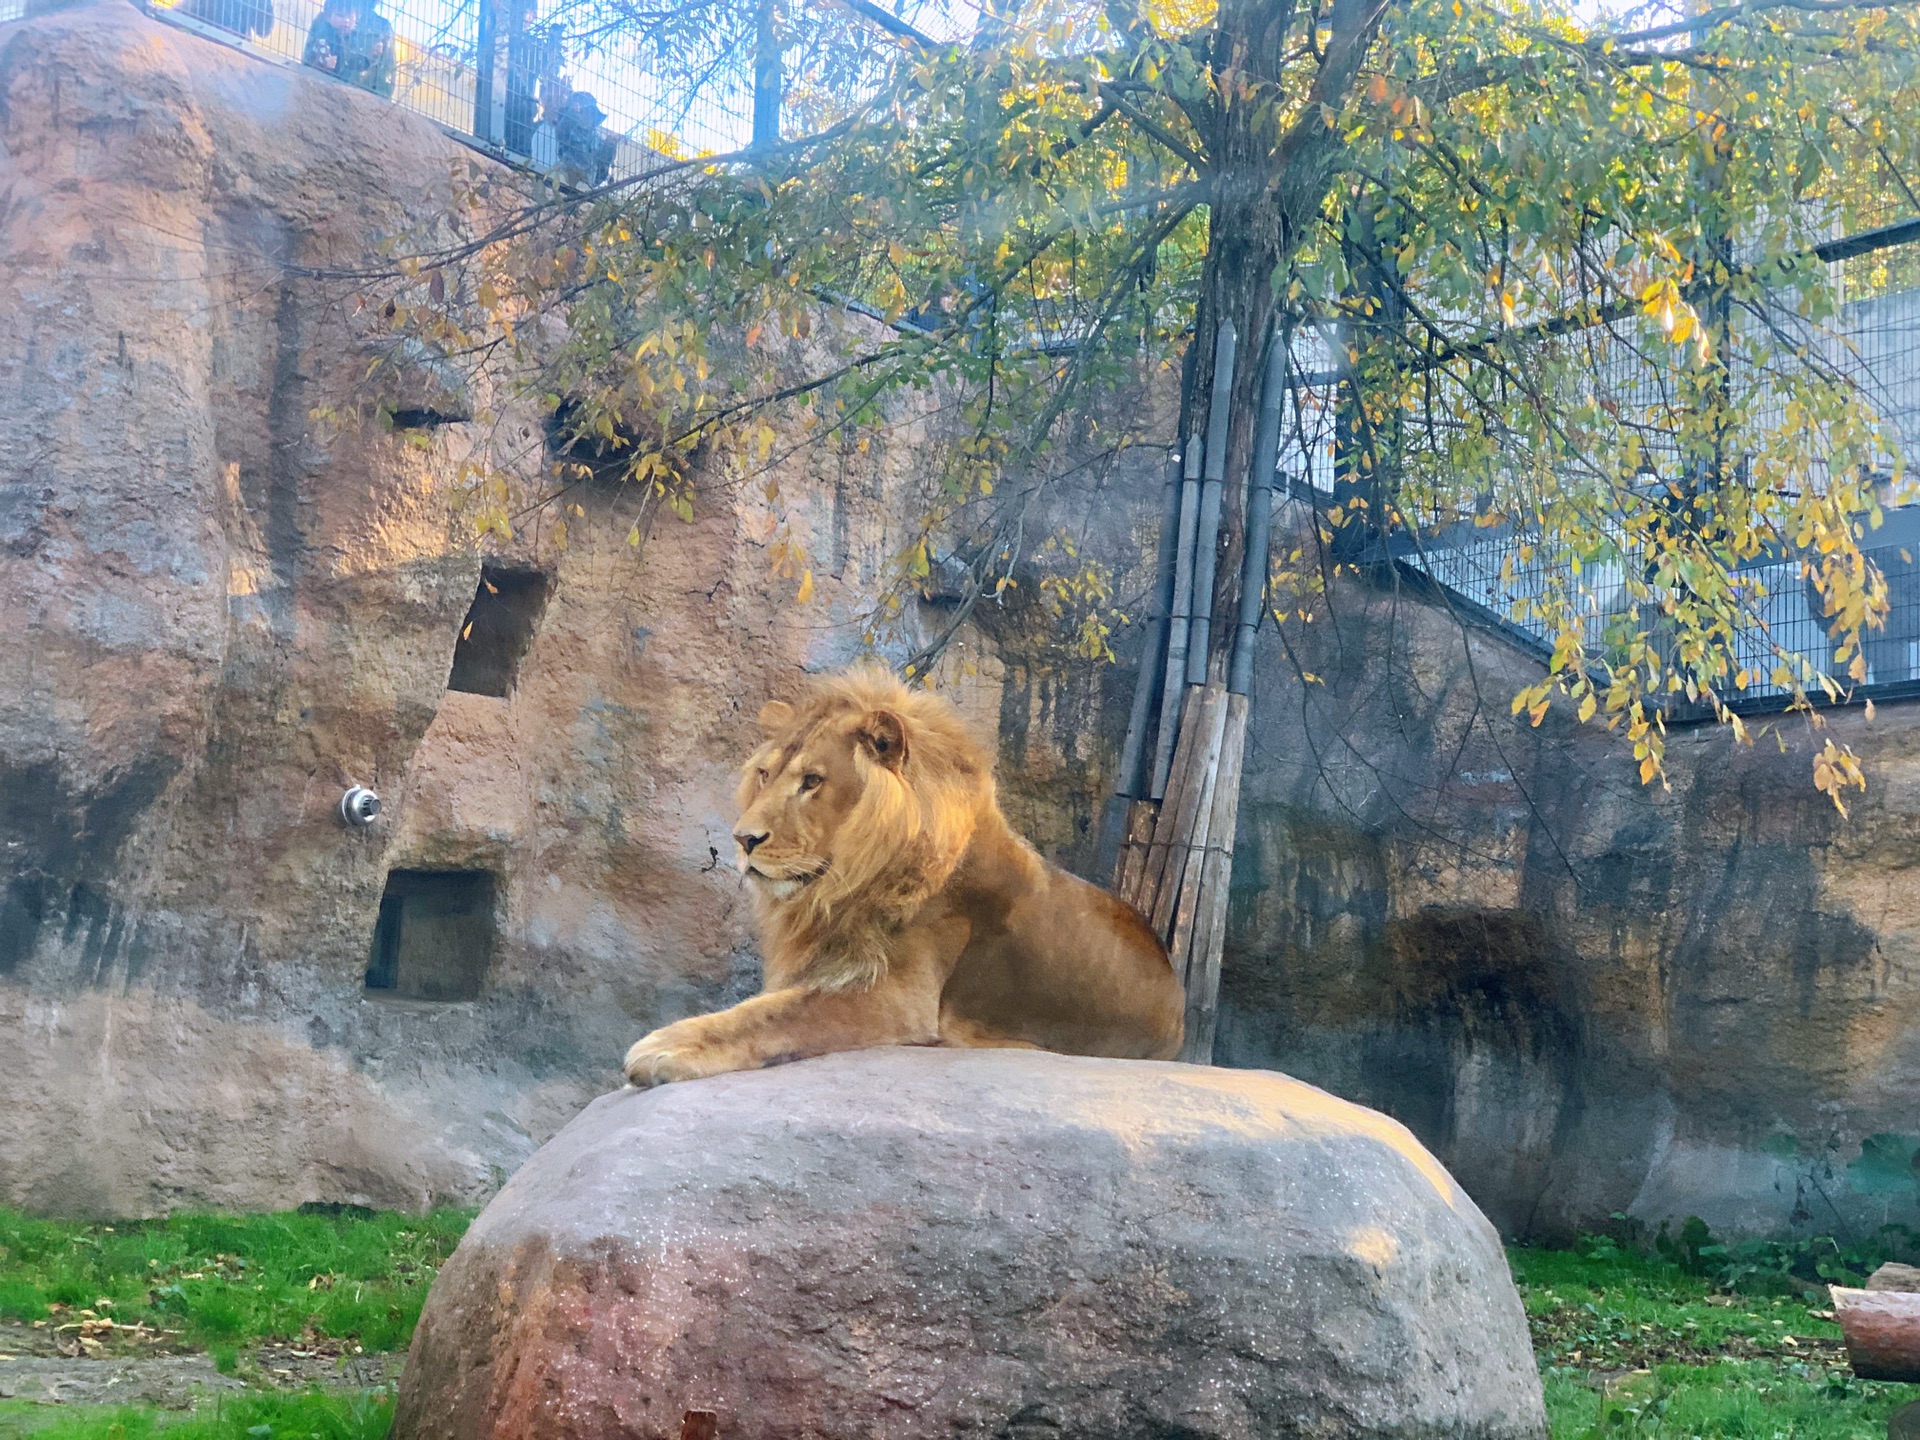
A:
799	788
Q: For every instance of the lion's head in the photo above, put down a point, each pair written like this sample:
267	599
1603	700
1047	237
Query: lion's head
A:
865	790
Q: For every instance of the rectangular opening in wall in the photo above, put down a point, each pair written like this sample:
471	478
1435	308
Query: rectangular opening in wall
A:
498	628
434	939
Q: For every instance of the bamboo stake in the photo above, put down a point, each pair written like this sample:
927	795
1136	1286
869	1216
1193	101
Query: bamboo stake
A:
1173	688
1163	828
1200	745
1179	902
1209	925
1133	779
1206	539
1133	850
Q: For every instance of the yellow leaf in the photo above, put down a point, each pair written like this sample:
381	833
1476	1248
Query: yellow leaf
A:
1587	707
1648	768
806	587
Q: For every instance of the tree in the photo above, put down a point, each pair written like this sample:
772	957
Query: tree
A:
1564	281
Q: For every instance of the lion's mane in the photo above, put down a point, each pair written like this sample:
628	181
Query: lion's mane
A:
896	849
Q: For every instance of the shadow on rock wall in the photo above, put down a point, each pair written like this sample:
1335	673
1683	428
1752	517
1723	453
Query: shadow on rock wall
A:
212	991
1589	997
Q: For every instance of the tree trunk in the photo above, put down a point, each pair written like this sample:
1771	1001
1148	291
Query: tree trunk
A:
1266	197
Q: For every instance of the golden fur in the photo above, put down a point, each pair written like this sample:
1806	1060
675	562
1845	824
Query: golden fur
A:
896	906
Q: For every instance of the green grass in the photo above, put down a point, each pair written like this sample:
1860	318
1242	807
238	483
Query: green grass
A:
218	1281
1639	1349
1744	1399
1630	1347
310	1416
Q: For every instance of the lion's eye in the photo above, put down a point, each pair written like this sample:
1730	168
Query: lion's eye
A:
811	782
763	776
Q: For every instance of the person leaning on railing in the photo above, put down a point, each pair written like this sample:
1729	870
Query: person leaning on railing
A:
352	41
583	151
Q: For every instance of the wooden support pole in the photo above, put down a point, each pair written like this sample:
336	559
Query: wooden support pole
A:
1175	830
1168	821
1173	691
1209	920
1132	863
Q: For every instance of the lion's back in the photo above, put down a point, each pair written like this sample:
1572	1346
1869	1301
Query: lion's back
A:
1058	962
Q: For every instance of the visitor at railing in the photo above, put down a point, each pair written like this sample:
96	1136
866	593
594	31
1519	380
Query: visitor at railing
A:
237	17
583	151
352	41
534	87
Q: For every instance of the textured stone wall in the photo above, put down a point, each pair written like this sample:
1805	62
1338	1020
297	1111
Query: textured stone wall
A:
220	611
1589	997
1585	996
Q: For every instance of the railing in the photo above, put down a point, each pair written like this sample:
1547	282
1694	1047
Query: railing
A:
575	85
510	80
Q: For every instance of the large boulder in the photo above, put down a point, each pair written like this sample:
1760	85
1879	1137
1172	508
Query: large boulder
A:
905	1243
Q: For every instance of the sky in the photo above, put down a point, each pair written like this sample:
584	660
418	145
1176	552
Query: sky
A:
641	104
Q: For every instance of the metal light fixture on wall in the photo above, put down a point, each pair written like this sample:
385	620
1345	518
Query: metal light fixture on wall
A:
359	807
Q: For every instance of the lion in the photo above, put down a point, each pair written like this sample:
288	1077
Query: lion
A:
896	906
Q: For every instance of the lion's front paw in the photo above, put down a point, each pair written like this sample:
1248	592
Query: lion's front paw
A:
673	1052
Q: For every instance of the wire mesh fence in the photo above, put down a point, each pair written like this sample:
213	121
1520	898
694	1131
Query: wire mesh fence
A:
590	89
1511	579
511	75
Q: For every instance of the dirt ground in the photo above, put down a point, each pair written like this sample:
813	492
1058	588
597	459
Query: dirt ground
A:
36	1364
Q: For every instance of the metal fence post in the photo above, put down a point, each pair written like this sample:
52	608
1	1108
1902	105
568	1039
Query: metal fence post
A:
486	57
769	84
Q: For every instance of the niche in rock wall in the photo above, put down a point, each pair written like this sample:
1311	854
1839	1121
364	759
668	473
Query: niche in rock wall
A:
588	456
497	631
434	939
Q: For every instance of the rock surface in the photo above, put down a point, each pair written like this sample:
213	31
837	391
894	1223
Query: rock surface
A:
220	611
908	1243
1894	1276
1586	995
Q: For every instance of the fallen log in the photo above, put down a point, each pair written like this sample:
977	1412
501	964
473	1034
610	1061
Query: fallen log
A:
1882	1329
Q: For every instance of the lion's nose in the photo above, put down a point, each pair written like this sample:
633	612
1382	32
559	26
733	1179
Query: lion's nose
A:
748	841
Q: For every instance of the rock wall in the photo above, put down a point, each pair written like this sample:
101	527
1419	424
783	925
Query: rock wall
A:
1585	996
1589	997
222	610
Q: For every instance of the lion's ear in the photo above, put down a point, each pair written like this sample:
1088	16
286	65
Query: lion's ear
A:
885	737
775	716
